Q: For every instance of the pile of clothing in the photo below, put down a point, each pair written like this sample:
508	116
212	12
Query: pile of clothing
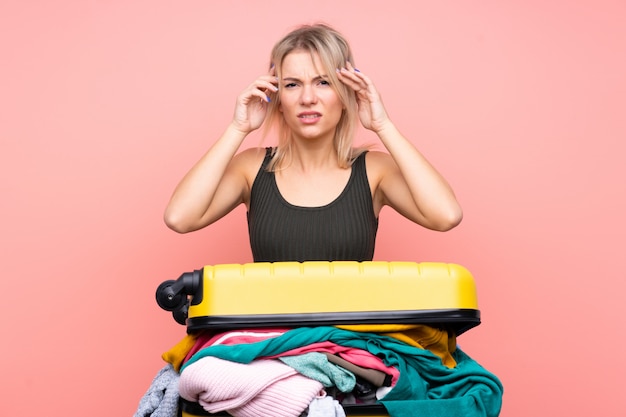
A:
316	371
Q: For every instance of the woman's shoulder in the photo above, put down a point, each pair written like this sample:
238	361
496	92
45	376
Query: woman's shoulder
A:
249	161
251	155
377	165
378	160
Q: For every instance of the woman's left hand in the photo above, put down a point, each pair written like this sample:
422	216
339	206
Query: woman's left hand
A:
371	109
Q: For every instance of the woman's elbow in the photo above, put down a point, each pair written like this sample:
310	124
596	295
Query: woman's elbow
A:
176	222
449	220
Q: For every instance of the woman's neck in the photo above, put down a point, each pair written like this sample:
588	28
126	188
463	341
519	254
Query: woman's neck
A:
310	156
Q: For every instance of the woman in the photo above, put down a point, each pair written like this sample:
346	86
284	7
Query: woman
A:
313	197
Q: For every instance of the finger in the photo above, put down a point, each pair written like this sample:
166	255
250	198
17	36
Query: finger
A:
350	79
352	72
262	87
266	84
262	96
248	96
351	67
347	76
358	74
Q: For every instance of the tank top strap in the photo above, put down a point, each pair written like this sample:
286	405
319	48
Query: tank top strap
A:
269	153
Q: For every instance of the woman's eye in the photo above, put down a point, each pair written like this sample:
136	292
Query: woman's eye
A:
290	85
324	82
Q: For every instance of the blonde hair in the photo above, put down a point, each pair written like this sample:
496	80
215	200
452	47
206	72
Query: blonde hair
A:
333	51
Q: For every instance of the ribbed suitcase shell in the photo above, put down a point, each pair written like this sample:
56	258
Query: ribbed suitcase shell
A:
329	293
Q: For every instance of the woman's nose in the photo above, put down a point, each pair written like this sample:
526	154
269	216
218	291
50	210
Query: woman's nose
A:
308	95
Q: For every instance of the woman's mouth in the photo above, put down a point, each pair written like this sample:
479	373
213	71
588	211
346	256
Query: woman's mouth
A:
309	117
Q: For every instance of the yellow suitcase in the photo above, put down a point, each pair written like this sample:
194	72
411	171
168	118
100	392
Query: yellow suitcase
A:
321	293
232	296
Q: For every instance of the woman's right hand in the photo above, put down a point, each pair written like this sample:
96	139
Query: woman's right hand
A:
251	106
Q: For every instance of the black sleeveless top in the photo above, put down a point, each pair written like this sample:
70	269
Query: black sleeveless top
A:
345	229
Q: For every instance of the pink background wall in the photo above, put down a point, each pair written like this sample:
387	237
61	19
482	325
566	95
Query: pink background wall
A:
105	104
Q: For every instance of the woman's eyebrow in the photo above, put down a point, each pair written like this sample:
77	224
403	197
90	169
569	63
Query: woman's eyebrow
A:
316	78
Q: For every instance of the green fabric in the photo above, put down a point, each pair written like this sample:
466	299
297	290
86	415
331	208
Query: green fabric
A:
425	387
316	366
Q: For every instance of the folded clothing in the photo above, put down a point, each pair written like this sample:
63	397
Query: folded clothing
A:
161	399
264	387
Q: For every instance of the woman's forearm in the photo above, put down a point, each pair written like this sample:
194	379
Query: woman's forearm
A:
193	196
433	196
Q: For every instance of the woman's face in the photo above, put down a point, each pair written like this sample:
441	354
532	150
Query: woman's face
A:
310	106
